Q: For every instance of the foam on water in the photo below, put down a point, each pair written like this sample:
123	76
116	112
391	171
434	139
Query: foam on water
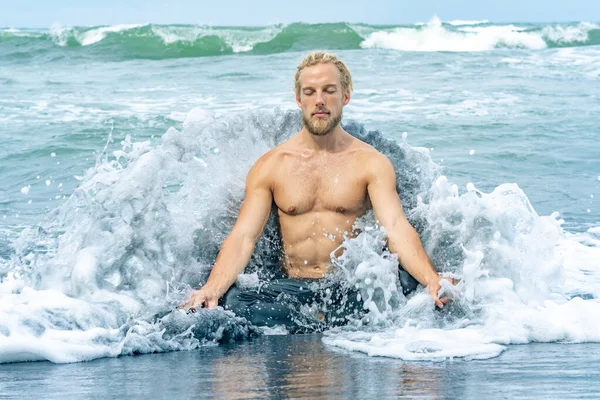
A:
435	37
569	34
521	279
239	40
101	275
477	36
462	22
62	34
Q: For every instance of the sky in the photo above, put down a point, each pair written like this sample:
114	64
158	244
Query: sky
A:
44	13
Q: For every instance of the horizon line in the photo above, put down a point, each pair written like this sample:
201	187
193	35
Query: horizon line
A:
488	21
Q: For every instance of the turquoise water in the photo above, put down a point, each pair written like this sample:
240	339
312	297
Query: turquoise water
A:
125	149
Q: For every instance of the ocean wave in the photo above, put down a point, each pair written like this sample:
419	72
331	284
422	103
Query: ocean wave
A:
101	275
561	35
436	37
63	36
459	22
152	41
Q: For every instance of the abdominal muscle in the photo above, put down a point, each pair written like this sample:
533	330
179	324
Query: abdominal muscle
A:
309	240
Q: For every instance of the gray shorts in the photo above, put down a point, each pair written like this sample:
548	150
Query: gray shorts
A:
301	304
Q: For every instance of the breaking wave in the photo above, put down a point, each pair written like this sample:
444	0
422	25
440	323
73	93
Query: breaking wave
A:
152	41
102	274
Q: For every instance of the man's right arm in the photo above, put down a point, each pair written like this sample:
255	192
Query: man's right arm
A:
237	248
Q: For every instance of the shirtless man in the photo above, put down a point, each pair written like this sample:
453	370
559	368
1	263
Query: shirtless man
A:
321	180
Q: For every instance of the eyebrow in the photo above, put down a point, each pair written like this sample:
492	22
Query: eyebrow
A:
327	86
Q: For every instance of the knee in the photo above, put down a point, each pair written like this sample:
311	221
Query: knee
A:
231	299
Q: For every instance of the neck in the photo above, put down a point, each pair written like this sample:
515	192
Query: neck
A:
336	140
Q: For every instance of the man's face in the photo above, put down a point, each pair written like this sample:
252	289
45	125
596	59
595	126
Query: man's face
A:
321	98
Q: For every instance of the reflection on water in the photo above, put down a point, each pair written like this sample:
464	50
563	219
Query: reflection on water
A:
301	367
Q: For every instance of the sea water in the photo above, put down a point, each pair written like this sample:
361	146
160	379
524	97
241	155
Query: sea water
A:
125	150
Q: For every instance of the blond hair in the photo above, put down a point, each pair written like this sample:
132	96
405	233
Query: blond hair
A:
320	57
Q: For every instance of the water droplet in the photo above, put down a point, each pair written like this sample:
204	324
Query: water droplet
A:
48	182
471	152
53	154
25	189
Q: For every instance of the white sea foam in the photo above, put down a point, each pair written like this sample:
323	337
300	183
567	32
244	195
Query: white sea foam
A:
61	34
521	280
21	33
102	274
476	36
435	37
414	344
102	281
569	34
240	40
461	22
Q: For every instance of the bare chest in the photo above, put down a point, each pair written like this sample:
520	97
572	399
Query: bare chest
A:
303	187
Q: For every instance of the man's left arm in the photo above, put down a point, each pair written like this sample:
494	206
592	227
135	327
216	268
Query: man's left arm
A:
403	239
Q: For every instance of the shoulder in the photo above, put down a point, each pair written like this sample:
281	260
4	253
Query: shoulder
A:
373	161
268	161
263	170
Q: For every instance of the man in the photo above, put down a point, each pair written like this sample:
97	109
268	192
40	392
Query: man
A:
320	180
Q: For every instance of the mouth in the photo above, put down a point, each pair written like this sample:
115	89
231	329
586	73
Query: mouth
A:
321	114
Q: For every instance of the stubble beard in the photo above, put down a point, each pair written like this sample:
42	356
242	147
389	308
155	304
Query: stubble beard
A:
320	127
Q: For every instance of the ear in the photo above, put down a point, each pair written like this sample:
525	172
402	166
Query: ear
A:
298	100
346	97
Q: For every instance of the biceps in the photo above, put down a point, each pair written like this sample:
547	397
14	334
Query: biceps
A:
254	214
387	207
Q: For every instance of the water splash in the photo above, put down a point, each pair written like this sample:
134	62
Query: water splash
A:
101	275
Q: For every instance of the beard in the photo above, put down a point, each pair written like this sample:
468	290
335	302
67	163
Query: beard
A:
320	127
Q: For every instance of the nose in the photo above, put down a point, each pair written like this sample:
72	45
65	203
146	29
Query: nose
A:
320	99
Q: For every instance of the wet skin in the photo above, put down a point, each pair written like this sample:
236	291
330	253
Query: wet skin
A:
321	180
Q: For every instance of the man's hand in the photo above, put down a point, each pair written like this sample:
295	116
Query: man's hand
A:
203	298
434	290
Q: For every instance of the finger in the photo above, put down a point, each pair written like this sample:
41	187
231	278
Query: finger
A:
445	300
212	303
439	303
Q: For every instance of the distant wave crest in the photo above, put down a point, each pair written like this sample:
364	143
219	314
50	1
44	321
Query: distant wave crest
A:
174	41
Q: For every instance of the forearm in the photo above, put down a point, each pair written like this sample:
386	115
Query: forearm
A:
412	256
233	257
